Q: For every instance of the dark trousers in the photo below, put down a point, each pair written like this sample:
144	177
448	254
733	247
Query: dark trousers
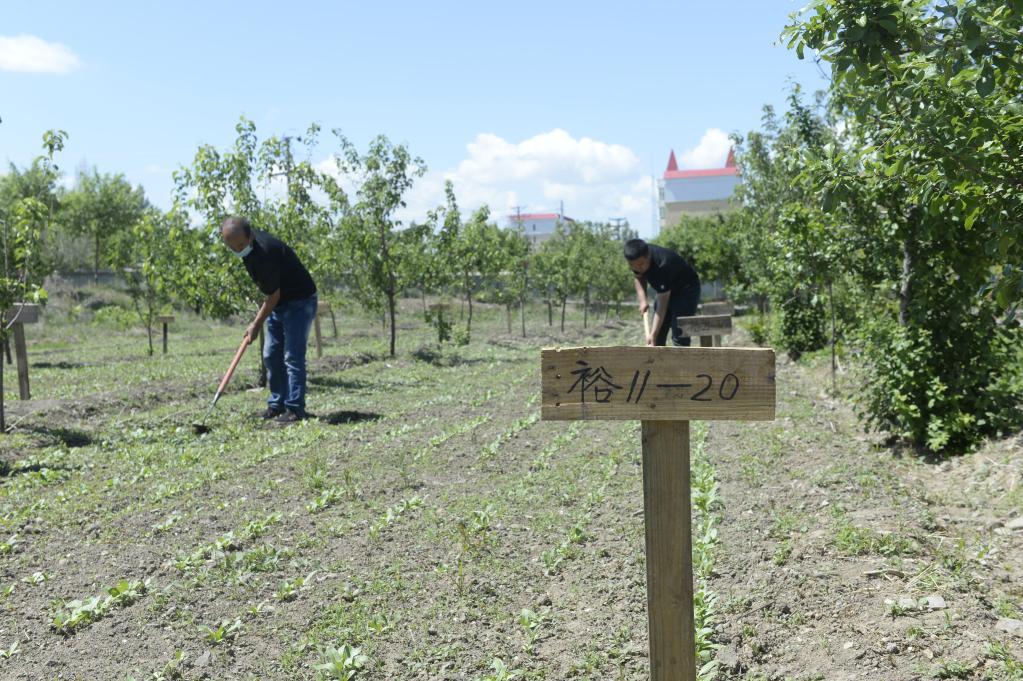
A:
680	304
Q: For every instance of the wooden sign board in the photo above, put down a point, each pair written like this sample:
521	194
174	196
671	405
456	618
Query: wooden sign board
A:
23	313
165	319
725	307
713	325
660	384
323	308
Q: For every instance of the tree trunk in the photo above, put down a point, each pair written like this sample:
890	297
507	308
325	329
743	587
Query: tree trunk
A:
468	323
586	307
522	315
95	271
3	415
390	307
507	309
422	292
564	304
834	363
550	313
906	290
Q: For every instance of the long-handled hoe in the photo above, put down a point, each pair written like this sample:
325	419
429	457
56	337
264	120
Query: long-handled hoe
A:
200	427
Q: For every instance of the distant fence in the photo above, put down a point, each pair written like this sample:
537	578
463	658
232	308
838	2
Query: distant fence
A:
83	279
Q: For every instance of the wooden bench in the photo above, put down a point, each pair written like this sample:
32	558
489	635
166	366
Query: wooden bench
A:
725	307
709	328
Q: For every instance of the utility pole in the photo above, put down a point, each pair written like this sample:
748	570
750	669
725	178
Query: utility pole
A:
618	226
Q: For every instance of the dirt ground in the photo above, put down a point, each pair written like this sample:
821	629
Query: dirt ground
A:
427	506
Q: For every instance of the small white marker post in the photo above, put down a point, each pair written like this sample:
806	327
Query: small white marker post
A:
665	388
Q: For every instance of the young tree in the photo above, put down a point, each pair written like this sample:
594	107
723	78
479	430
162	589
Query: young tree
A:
102	207
477	255
512	279
930	93
150	258
370	233
555	273
24	226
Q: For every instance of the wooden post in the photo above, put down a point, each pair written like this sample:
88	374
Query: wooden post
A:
165	320
708	328
319	340
665	388
21	314
669	550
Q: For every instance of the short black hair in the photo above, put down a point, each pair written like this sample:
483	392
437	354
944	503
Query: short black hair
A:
238	221
635	249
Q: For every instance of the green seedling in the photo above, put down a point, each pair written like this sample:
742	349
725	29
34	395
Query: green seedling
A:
36	578
290	588
7	547
66	617
325	500
8	653
501	672
392	514
379	624
167	523
340	664
225	632
530	623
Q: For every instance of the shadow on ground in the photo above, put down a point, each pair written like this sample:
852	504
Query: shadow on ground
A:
337	418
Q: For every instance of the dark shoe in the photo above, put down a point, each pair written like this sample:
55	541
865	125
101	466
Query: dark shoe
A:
289	417
271	413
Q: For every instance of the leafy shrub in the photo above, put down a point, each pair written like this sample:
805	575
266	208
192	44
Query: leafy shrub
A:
945	384
113	317
803	324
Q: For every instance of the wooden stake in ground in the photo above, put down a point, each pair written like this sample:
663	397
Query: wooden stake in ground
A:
21	314
165	320
646	327
320	308
665	388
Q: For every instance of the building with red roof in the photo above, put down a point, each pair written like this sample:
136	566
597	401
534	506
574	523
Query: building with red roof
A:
696	192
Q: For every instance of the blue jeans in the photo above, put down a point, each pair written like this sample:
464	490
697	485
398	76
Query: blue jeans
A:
287	335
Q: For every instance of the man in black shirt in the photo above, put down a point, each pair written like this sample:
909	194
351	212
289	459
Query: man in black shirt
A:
287	311
676	283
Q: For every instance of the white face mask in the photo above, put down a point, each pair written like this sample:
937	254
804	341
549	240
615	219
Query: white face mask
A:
244	252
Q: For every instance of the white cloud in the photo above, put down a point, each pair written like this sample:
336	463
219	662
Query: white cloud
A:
30	54
596	180
711	152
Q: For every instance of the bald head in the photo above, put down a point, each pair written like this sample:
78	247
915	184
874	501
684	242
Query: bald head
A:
236	233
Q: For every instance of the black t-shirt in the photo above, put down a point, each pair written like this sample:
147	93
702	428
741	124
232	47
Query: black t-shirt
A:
669	272
273	265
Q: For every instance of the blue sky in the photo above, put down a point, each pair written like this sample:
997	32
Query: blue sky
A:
524	103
